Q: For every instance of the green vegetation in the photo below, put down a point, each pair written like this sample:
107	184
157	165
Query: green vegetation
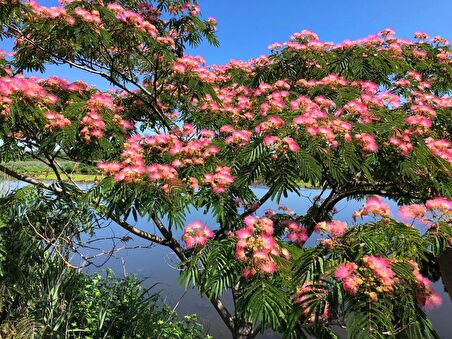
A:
36	169
40	297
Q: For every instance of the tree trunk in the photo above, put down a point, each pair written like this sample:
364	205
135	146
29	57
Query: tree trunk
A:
244	332
445	265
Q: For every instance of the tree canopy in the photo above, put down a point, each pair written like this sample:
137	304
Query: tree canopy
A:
358	119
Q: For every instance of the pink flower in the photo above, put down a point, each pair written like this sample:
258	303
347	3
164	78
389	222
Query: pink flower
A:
432	300
196	234
420	121
109	168
382	269
367	142
387	32
440	204
351	284
373	205
335	227
412	211
442	148
425	295
256	246
220	180
212	20
292	144
421	36
345	270
248	272
244	233
297	233
268	266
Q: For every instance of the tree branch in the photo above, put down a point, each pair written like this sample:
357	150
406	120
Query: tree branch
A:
30	180
100	73
254	207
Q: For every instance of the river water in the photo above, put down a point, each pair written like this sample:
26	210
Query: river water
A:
159	265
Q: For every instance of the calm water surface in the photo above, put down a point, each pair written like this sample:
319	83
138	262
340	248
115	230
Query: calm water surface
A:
159	265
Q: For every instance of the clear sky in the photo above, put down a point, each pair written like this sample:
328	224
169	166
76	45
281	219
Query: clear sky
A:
247	27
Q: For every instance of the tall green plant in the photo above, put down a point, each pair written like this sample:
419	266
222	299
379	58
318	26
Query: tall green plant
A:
40	297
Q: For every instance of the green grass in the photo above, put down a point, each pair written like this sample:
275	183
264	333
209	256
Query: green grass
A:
39	170
75	176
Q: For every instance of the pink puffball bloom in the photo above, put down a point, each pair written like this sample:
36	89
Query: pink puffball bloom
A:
373	205
440	204
212	20
196	234
421	36
269	266
297	233
351	284
292	144
414	211
381	268
345	270
367	142
256	246
248	272
335	227
244	233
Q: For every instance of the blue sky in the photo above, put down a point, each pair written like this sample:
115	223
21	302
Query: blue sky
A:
247	27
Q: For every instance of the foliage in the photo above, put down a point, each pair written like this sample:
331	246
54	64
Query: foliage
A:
41	297
364	118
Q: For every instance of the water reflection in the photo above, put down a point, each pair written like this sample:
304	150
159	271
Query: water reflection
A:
159	265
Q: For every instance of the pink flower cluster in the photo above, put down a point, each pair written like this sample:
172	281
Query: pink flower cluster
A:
414	211
133	167
279	100
56	120
196	234
192	8
53	13
440	204
281	145
220	180
22	88
272	123
134	19
93	126
425	294
441	148
439	207
89	17
375	206
256	246
352	277
335	227
176	152
58	84
382	269
236	137
345	273
188	63
368	142
192	152
297	233
93	123
93	17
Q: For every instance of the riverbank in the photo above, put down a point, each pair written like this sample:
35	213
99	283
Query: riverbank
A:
81	173
38	170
